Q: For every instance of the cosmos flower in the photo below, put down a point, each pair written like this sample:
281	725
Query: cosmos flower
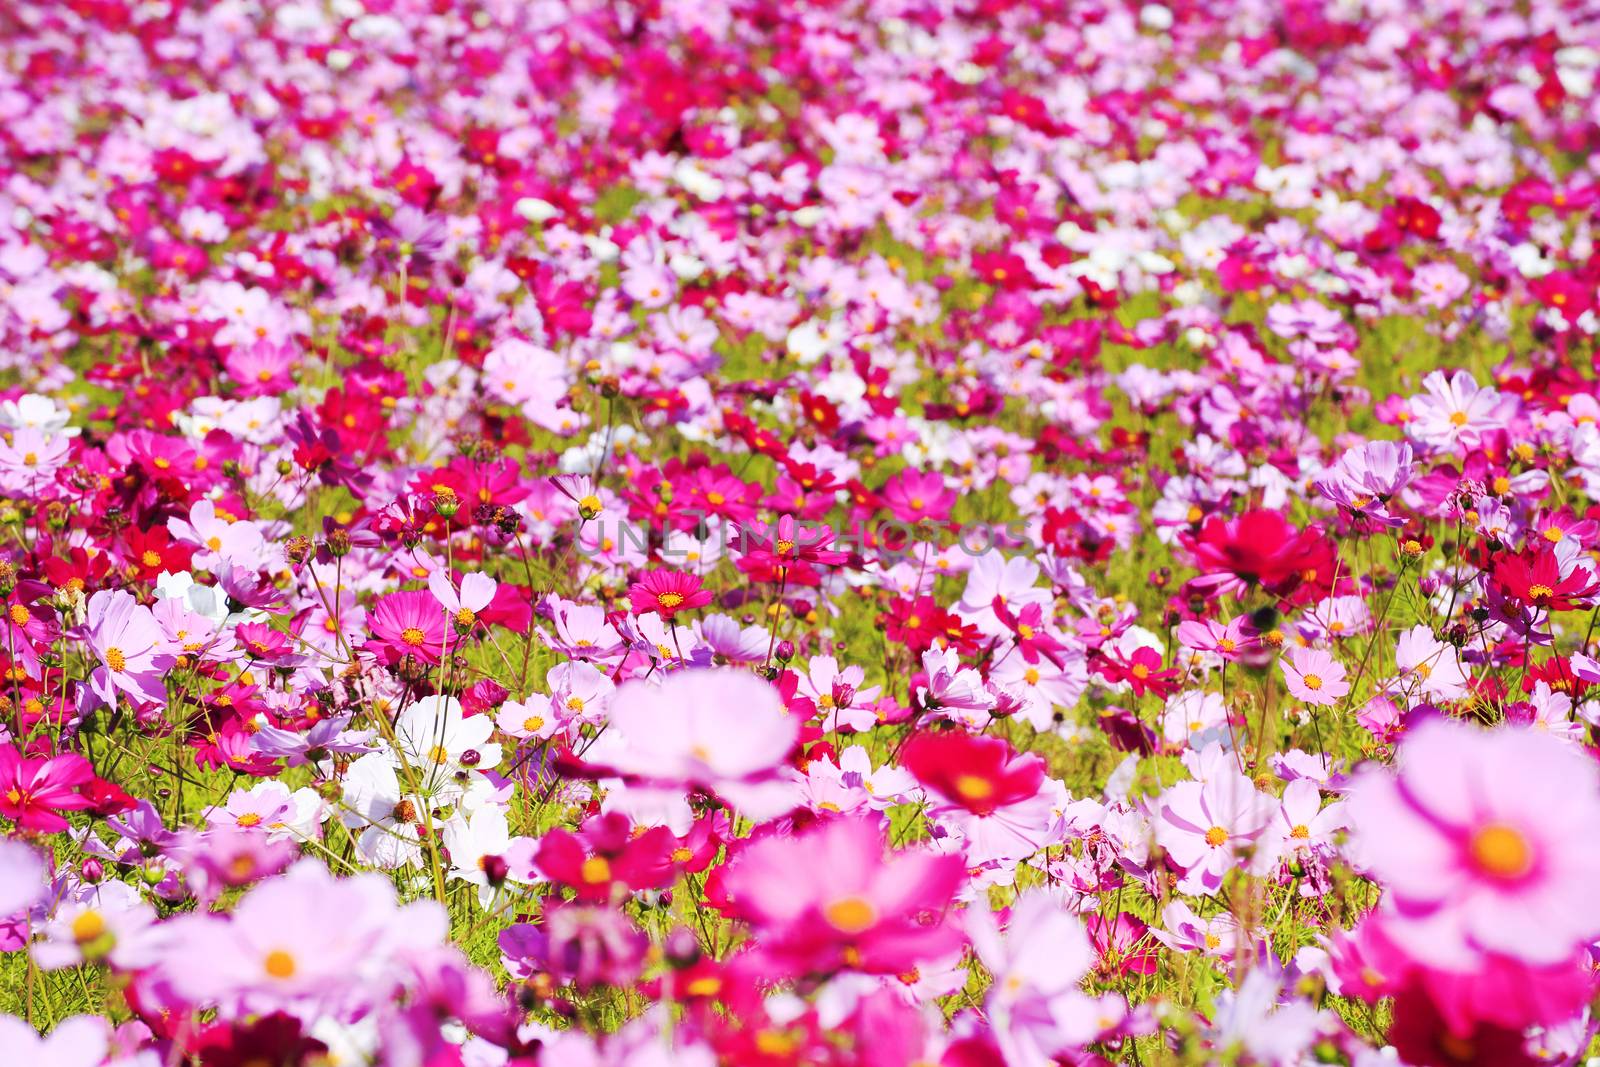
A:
1210	828
476	593
1259	547
1314	676
24	876
722	729
79	1041
667	593
1454	411
127	640
1474	835
835	897
409	623
34	791
304	938
439	741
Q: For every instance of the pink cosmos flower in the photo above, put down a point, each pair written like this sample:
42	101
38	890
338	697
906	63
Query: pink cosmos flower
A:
261	369
304	940
1037	963
76	1042
1210	828
1481	838
31	458
1220	936
1228	640
109	923
1454	412
218	538
1433	669
477	591
408	623
1314	676
834	897
649	284
954	690
1302	827
722	729
23	874
230	856
913	495
127	640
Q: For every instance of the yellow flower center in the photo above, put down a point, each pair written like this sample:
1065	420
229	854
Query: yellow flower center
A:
670	600
1539	592
596	869
88	927
1502	851
1313	682
851	915
1458	418
1216	837
279	964
972	787
116	660
249	818
19	615
150	559
412	636
1301	833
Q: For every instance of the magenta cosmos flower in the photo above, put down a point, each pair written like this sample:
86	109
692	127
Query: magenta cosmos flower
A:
32	791
833	898
1484	840
667	593
127	640
408	623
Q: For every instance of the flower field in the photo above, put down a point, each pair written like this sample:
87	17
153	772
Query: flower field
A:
750	533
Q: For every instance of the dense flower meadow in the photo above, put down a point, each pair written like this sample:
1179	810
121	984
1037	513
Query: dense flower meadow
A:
910	533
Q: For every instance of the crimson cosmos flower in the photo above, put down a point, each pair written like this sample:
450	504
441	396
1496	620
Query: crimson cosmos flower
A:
1534	578
981	774
1259	547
